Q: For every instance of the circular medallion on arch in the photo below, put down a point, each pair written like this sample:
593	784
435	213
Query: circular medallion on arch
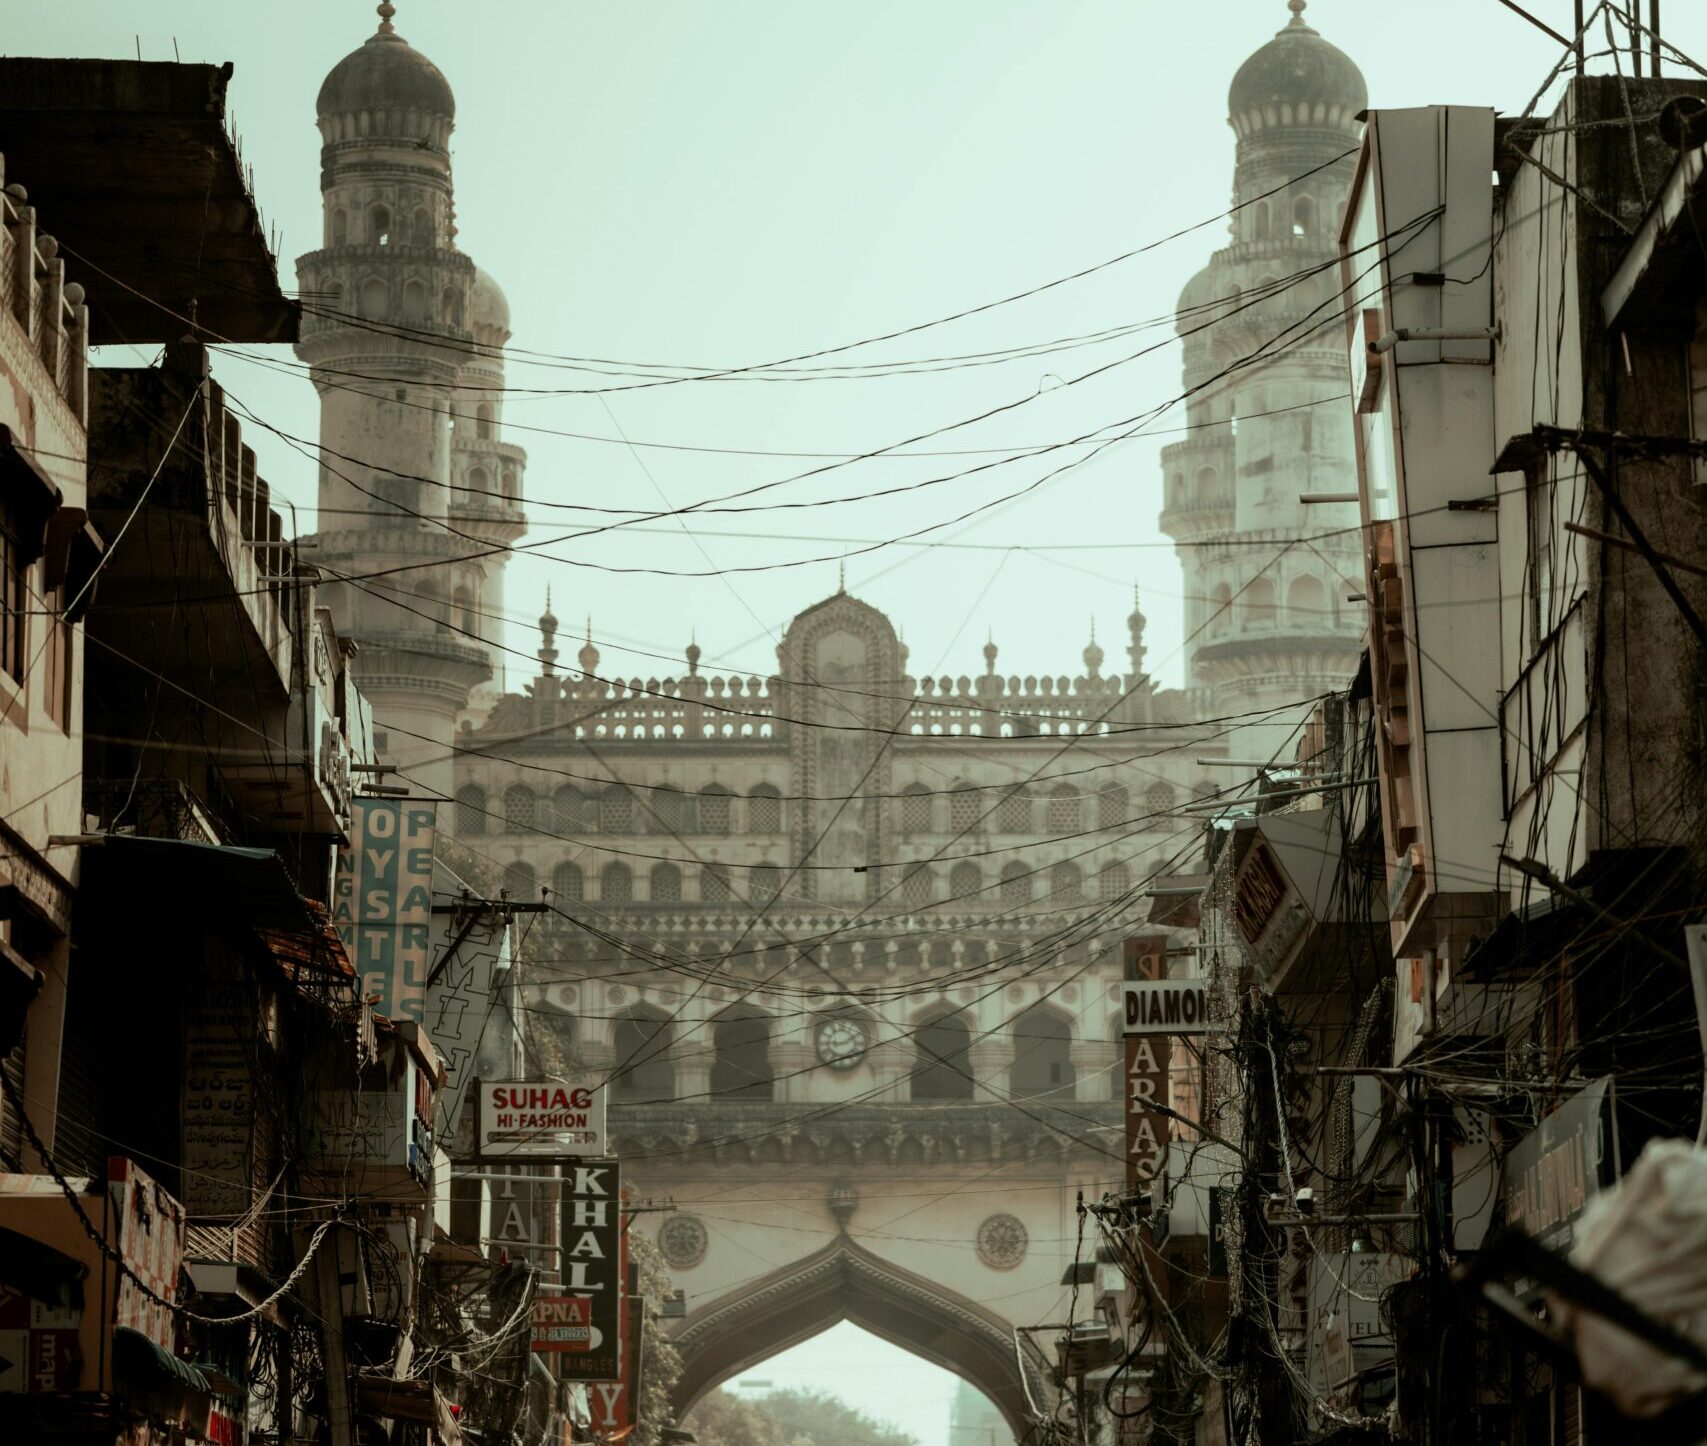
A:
683	1240
1002	1242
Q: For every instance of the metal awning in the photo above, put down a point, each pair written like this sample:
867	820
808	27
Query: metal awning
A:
133	172
139	1359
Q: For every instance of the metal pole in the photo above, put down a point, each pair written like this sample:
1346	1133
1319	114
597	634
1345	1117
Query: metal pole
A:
1579	34
338	1378
1654	36
1635	18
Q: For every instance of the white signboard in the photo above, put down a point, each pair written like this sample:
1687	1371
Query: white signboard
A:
1165	1006
541	1119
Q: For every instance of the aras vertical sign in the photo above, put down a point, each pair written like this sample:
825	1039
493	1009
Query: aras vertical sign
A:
1145	958
382	901
592	1272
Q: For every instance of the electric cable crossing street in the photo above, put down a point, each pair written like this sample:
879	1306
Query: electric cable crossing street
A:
1161	900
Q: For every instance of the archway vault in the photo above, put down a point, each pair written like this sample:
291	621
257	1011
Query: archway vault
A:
844	1281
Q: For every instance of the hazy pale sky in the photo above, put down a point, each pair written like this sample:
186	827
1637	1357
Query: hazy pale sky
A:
719	183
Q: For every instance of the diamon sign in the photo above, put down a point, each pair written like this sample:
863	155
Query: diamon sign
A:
1165	1006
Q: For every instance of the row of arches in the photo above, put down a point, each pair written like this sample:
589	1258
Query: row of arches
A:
713	811
1040	1067
1268	221
374	226
1308	606
1065	810
966	883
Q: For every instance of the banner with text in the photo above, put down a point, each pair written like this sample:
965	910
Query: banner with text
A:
1145	958
592	1271
1165	1006
382	901
542	1119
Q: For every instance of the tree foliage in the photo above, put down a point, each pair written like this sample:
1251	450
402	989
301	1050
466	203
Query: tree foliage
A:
788	1418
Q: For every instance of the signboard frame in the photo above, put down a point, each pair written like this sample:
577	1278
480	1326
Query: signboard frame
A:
1164	1006
591	1240
550	1149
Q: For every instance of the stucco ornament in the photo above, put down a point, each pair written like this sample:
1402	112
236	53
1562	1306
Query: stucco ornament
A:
683	1240
1002	1242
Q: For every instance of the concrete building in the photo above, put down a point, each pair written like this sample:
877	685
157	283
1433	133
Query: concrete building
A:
1266	575
404	336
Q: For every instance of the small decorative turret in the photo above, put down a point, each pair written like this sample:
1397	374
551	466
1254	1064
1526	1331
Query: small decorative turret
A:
548	638
693	657
990	652
588	657
1135	621
1093	654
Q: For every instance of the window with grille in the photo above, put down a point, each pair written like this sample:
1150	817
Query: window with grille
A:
666	884
918	888
964	881
764	810
616	811
671	812
1013	814
1066	883
1112	806
616	884
519	880
518	808
568	883
1064	813
470	811
963	809
1016	882
714	810
766	880
714	884
571	813
1159	798
915	809
1113	882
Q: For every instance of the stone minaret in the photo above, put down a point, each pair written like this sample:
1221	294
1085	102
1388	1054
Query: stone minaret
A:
1263	630
401	332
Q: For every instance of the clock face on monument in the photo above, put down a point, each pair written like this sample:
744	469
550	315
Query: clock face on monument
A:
841	1042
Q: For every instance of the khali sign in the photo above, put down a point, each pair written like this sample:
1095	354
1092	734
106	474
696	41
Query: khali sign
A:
382	902
541	1119
592	1248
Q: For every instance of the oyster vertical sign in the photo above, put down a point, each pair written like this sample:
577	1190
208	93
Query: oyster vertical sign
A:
382	902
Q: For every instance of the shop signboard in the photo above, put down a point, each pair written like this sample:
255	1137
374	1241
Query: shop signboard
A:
1558	1167
382	902
542	1119
1165	1006
1145	959
591	1237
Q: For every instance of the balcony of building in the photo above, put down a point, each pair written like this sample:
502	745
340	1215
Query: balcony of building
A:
39	302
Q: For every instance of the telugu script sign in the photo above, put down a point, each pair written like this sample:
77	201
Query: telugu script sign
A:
541	1119
382	902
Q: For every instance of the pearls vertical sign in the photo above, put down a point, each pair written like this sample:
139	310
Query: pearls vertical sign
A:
382	901
1145	958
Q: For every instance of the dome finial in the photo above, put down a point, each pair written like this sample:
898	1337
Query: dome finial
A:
588	657
1093	654
386	11
548	637
1297	9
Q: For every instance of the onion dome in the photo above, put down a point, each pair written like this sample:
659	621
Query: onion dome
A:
588	657
386	74
990	655
1093	654
693	656
547	635
487	305
1297	79
1198	298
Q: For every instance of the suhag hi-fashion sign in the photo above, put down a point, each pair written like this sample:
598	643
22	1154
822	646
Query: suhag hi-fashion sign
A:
562	1119
593	1271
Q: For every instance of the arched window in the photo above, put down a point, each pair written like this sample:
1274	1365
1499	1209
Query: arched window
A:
715	810
568	883
1257	603
450	307
918	888
1013	813
963	808
616	810
340	226
483	421
480	481
470	810
519	880
570	813
1158	798
965	879
421	232
915	809
463	600
1220	608
510	482
1113	882
643	1072
1016	883
1066	883
666	884
671	810
375	297
764	882
414	300
1259	220
379	226
1304	216
1307	603
1064	815
714	884
741	1054
764	809
518	808
432	606
1043	1056
616	883
942	1060
1113	808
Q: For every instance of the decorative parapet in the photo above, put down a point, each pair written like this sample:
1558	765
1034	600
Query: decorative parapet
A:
35	294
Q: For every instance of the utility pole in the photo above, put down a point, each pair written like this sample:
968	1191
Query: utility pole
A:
339	1416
